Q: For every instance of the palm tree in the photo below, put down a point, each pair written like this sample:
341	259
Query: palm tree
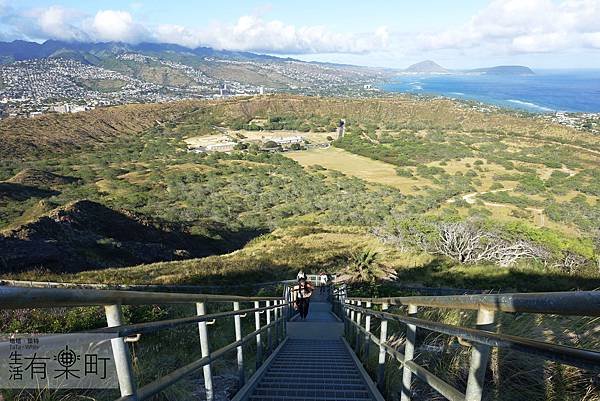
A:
363	265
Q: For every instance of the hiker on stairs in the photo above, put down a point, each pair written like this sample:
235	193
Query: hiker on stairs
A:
323	282
302	293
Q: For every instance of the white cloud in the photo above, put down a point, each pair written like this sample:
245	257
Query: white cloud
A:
592	39
3	6
248	33
524	26
55	23
502	27
112	25
252	33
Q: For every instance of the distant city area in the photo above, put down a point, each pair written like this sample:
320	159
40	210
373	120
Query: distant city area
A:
581	121
63	83
71	80
34	87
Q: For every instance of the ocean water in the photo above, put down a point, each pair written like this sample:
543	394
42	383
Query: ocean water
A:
546	91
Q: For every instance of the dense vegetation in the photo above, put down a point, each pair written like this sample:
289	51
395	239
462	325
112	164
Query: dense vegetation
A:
458	170
232	198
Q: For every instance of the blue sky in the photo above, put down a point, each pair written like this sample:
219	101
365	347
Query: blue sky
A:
339	15
460	34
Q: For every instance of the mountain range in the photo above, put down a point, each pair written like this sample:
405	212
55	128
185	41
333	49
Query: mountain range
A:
431	67
117	72
22	50
94	53
173	66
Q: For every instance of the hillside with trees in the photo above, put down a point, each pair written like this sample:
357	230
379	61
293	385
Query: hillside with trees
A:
476	182
418	193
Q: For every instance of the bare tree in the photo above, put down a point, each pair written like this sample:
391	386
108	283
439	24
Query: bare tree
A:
247	110
405	237
468	243
465	242
506	253
571	262
460	241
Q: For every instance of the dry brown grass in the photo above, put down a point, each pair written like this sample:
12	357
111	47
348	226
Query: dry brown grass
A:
61	133
354	165
431	113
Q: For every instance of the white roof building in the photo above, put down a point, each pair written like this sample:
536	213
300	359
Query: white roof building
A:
220	147
288	140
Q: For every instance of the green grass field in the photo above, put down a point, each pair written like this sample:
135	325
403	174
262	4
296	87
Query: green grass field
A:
353	165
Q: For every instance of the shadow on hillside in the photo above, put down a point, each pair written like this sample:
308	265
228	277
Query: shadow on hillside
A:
243	276
229	241
20	192
440	273
86	235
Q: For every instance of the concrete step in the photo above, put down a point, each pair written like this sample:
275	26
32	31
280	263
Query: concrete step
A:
320	368
340	366
313	375
301	392
312	369
284	382
286	398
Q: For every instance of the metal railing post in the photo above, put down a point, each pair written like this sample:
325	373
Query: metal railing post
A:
276	319
345	314
335	299
286	300
367	345
409	353
114	317
357	336
382	353
480	355
258	340
290	309
348	316
204	347
269	331
284	322
240	349
351	321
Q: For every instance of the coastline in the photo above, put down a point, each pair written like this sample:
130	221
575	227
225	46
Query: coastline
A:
547	92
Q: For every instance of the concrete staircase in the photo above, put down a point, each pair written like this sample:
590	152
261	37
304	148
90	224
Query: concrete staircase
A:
307	370
314	364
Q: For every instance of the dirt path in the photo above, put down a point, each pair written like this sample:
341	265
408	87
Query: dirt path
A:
472	198
578	147
368	138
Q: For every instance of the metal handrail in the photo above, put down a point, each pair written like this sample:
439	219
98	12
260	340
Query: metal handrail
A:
158	385
580	303
151	327
134	287
481	339
14	297
18	298
435	382
583	358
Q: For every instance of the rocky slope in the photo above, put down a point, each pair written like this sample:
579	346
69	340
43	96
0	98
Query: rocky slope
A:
85	234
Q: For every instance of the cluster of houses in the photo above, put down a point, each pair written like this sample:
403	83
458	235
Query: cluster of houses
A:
226	144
